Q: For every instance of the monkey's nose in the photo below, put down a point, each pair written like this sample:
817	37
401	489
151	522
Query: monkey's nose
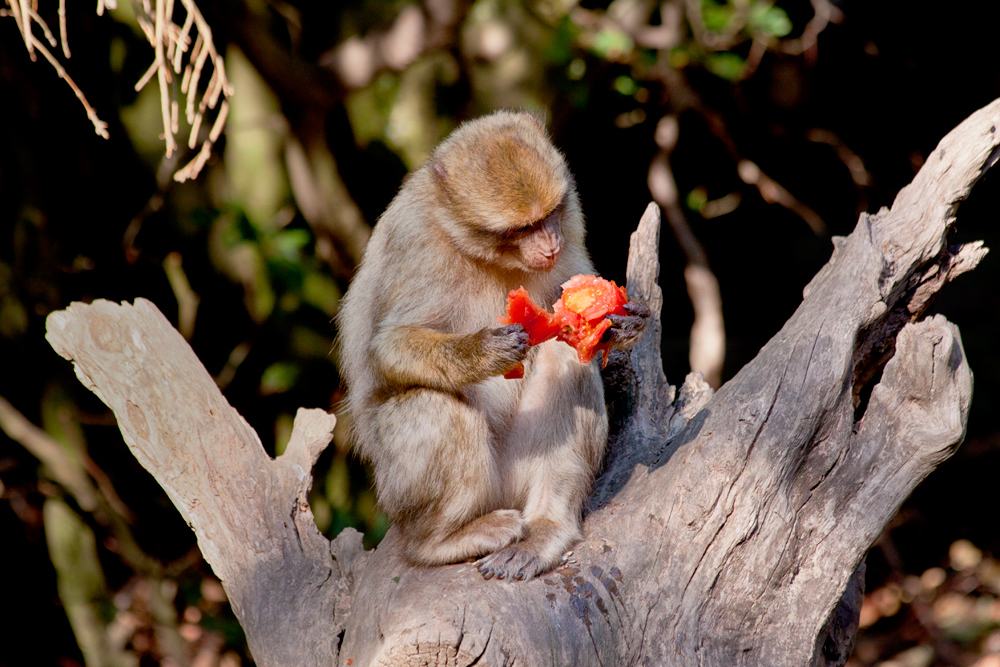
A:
549	258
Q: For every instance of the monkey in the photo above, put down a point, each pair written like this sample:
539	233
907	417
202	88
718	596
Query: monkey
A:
468	464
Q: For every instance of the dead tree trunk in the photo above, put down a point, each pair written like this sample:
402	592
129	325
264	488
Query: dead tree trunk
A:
727	529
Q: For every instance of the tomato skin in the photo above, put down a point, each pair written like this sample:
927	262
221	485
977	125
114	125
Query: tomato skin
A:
579	317
592	298
516	373
539	323
585	304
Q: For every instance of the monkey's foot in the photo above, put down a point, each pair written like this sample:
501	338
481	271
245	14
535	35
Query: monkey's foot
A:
516	562
480	536
499	528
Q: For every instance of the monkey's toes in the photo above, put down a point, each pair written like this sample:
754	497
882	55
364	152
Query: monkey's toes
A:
498	529
513	563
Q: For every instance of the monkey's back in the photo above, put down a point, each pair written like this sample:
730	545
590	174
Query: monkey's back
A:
410	275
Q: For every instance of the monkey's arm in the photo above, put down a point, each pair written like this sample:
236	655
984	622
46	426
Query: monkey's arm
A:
408	355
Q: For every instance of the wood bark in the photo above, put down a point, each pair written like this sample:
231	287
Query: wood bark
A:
727	528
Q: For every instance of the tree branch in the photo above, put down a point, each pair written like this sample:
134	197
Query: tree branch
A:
249	512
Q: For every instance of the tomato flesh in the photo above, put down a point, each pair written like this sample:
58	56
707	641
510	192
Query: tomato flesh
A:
579	317
540	324
583	309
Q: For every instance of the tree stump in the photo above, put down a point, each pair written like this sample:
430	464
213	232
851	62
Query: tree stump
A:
727	529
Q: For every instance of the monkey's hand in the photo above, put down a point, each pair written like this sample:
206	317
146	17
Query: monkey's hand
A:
626	330
504	347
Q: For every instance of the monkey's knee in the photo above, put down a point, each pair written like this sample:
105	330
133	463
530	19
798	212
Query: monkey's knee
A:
482	535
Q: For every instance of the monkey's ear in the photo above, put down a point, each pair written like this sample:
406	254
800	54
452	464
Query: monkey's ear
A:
538	118
439	171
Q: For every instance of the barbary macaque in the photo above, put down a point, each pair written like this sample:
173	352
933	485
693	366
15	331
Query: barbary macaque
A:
468	464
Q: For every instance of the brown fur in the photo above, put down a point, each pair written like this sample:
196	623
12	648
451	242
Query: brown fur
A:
467	463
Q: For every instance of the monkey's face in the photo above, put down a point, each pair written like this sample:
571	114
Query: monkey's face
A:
508	194
535	247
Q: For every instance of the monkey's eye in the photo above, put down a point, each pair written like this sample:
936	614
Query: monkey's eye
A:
515	235
520	232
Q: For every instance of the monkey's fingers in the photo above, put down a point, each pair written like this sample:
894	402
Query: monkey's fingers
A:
509	330
512	336
628	322
506	346
637	308
625	330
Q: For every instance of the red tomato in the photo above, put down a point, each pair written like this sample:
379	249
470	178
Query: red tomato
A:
585	304
580	317
539	324
592	298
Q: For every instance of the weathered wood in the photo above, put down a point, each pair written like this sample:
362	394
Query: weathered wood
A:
728	529
248	511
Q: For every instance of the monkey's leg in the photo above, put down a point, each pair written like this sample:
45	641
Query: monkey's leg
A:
551	455
438	480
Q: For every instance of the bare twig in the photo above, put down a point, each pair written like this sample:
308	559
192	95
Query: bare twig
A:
192	168
708	333
62	28
773	193
44	447
23	19
49	37
750	173
144	79
187	298
183	39
163	76
825	13
855	165
99	125
170	42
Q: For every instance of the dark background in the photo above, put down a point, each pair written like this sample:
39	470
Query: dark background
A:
83	218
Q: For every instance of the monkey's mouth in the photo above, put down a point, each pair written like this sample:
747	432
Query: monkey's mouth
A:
542	262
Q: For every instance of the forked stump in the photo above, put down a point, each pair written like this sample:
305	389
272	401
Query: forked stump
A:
728	529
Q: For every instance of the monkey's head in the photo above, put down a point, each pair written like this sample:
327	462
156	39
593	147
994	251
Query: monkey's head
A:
510	198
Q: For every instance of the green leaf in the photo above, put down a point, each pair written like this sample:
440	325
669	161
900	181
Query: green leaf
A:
576	69
716	16
338	484
562	48
680	57
626	85
305	342
612	44
278	378
770	20
697	198
288	244
320	291
13	317
725	65
254	153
